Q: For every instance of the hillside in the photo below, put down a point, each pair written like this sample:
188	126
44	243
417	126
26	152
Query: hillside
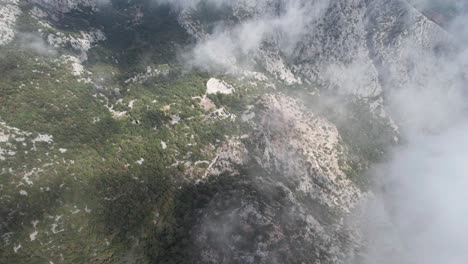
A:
208	131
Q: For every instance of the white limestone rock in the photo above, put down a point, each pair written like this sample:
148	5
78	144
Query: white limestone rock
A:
9	13
306	149
65	6
214	86
81	43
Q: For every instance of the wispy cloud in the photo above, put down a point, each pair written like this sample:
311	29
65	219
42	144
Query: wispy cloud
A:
36	43
422	208
420	214
281	23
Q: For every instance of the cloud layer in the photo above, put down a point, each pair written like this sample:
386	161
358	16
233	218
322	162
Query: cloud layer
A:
281	23
420	214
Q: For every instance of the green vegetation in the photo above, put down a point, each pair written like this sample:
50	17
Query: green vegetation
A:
112	179
104	188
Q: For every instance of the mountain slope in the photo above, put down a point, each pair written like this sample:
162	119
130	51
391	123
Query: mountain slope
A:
200	132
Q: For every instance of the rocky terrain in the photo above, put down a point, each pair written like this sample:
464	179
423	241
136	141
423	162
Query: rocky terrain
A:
200	131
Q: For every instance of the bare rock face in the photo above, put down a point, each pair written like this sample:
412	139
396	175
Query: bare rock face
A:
81	44
229	157
291	206
65	6
305	149
10	12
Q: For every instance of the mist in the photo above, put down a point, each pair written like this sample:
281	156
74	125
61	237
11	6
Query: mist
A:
314	92
35	43
418	212
419	215
229	45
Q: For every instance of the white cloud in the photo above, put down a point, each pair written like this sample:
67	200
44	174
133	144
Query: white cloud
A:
35	43
281	23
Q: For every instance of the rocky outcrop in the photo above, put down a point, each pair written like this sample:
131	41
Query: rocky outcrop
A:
229	158
81	43
297	193
305	149
9	13
402	41
65	6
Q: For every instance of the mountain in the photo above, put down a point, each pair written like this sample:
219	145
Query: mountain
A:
240	131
